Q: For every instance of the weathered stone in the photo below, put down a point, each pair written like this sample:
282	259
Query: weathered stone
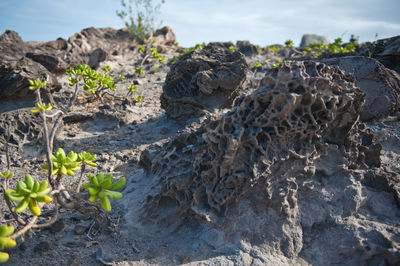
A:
380	85
313	38
164	36
10	36
15	76
203	80
246	48
280	173
96	57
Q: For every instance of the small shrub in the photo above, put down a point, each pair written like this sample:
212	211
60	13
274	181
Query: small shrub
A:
140	17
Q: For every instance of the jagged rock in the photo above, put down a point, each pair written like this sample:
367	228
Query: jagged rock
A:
246	48
26	132
313	38
14	76
380	85
203	80
281	174
96	57
387	51
48	61
164	36
10	36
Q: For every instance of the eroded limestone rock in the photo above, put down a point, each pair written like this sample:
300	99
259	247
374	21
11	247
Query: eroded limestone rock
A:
283	172
380	85
203	80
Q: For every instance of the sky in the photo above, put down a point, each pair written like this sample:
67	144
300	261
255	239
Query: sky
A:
262	22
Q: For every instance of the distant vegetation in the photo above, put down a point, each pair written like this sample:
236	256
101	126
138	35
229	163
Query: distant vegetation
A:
140	17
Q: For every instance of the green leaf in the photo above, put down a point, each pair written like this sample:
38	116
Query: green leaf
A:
105	204
118	184
36	186
6	242
107	181
43	186
6	230
22	206
114	194
60	154
29	181
4	257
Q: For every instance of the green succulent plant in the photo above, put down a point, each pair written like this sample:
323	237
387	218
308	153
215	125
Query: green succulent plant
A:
141	48
93	81
6	174
157	55
289	43
63	164
36	84
41	108
232	48
101	187
121	77
5	241
86	158
29	193
139	71
257	65
106	68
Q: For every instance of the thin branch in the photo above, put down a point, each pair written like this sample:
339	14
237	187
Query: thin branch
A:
61	115
46	138
25	229
53	220
144	60
7	152
78	188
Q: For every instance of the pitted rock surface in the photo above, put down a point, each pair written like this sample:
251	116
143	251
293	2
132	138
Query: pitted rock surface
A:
203	81
380	85
267	172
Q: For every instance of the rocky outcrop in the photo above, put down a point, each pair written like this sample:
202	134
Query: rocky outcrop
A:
387	51
246	48
21	61
10	36
202	81
15	76
164	36
281	174
380	85
313	38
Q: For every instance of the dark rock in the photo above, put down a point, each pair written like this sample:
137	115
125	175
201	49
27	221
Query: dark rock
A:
42	247
313	38
380	85
48	61
246	48
96	57
58	226
387	51
15	76
203	80
80	229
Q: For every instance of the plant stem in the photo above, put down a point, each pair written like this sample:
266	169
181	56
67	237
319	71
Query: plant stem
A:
26	228
61	115
46	137
80	178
